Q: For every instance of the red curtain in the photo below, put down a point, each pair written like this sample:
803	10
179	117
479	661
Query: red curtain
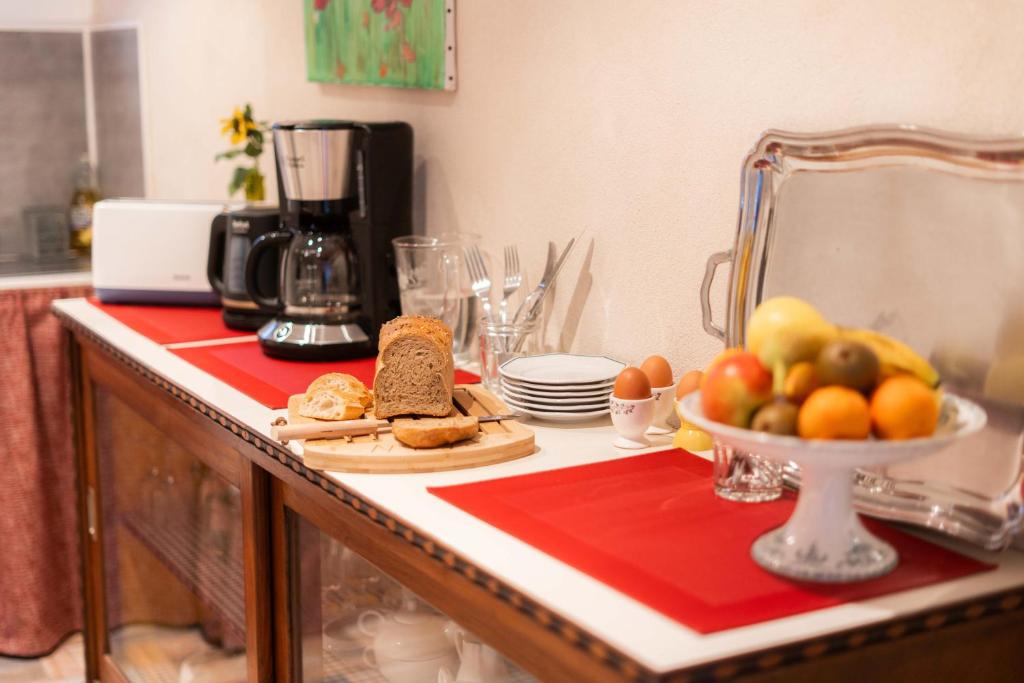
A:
40	595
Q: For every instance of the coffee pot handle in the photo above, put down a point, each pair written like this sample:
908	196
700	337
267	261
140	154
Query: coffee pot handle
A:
215	255
271	240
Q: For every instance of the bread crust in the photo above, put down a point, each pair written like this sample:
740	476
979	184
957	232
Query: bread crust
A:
348	385
416	325
431	433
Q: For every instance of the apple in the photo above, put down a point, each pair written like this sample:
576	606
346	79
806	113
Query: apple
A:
734	388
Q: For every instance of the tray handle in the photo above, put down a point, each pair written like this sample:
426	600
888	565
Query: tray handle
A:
715	260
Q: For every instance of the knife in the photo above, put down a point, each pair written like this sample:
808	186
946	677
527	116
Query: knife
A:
532	304
341	428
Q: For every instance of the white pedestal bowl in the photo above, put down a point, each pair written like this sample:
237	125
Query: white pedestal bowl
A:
824	539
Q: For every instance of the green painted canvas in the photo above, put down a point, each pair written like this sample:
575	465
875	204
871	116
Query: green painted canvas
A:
398	43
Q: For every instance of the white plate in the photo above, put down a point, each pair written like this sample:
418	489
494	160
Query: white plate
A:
559	417
547	410
555	409
560	369
581	396
555	404
560	388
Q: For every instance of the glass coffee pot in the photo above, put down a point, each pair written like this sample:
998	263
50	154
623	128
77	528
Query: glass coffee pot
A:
317	304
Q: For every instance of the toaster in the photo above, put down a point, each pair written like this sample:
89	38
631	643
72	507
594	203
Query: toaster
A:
153	251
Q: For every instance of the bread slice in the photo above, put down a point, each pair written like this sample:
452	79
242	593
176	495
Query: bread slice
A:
415	369
335	396
430	433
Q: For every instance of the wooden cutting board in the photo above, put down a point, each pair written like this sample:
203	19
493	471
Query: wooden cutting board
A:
497	442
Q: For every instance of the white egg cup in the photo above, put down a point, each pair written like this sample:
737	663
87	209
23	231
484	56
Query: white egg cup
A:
664	404
631	418
824	540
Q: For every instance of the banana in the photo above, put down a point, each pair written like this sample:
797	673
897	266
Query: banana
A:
894	356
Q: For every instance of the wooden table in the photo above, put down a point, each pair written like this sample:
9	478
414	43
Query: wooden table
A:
551	620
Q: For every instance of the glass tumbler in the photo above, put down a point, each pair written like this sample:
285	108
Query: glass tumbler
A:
433	280
745	477
500	342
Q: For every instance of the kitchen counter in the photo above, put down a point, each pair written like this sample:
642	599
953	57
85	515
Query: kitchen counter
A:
651	644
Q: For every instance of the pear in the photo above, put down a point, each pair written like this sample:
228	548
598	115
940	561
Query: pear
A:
785	330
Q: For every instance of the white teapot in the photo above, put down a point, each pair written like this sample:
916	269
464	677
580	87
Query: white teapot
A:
409	645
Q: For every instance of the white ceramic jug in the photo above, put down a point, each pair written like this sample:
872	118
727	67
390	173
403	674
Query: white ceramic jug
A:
478	663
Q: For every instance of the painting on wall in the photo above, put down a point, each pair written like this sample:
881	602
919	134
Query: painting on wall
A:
397	43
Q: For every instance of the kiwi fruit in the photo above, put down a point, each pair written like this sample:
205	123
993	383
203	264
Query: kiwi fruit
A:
776	418
847	363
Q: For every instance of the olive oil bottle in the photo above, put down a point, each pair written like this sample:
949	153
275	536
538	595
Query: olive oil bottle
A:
82	199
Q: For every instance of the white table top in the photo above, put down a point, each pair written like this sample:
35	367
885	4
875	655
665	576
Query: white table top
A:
650	638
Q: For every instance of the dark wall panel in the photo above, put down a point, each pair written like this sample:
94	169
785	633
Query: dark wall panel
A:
42	125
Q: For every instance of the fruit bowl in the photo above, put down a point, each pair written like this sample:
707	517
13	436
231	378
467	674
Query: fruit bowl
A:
824	539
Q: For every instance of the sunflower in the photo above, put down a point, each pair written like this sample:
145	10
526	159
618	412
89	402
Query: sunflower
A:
238	125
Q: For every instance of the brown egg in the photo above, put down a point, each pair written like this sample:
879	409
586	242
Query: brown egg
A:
658	371
689	383
632	385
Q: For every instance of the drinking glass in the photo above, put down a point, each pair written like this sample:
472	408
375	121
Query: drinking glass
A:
745	477
433	280
500	342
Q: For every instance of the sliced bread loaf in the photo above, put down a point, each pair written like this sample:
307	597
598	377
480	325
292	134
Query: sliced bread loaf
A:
415	369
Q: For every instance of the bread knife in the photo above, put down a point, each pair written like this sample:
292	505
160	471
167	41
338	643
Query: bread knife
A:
341	428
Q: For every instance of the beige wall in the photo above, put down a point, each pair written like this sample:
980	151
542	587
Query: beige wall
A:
629	119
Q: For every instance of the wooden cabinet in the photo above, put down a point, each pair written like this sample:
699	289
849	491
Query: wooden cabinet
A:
207	551
212	553
175	537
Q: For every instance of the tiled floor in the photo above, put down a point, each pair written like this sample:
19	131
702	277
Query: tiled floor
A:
65	664
152	654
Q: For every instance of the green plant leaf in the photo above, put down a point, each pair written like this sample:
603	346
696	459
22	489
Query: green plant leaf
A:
256	135
238	179
230	154
248	112
253	149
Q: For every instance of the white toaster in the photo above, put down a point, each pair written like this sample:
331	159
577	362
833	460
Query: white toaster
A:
153	251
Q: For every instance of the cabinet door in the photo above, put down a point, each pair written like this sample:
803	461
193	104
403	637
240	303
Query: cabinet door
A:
172	586
351	621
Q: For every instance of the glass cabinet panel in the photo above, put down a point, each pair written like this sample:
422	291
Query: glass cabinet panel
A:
172	545
355	623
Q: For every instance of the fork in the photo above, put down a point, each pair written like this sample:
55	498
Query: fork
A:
480	281
513	279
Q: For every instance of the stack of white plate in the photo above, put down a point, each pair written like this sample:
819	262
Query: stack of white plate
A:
560	387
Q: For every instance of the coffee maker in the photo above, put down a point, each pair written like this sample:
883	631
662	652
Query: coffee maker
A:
231	236
345	191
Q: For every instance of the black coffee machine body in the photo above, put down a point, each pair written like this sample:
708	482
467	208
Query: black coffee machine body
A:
345	191
232	234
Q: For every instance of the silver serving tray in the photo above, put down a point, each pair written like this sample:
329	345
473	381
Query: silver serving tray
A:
918	234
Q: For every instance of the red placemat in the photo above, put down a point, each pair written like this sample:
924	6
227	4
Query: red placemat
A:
651	527
171	324
271	381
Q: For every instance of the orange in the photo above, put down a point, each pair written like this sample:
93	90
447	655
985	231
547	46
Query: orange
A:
904	407
834	412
